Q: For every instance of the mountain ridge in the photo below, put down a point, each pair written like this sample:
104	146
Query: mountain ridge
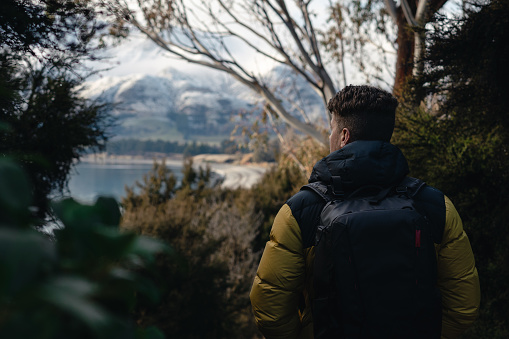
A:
173	105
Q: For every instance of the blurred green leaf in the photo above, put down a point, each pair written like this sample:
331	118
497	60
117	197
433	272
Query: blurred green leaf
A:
105	211
24	254
15	194
122	274
81	277
5	127
149	333
73	214
148	288
121	285
74	295
113	243
109	211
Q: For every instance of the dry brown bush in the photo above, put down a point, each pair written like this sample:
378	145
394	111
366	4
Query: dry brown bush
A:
206	291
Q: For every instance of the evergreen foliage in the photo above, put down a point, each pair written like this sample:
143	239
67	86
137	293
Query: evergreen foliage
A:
49	27
46	124
84	283
88	282
461	148
206	292
218	234
135	147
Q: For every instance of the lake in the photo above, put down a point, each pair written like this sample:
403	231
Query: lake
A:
89	180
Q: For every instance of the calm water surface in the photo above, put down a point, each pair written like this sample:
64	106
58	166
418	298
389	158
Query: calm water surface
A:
89	180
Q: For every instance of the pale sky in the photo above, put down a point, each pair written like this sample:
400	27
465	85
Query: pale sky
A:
139	55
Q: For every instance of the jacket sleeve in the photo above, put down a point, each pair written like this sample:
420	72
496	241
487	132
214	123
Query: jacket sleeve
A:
280	280
457	277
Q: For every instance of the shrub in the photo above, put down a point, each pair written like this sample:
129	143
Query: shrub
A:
206	292
461	147
82	283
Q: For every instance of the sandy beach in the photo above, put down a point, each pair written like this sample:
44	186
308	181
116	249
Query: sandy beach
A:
234	169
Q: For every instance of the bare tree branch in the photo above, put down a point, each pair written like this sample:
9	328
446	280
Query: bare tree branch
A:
421	14
336	15
310	31
421	17
199	32
318	69
408	13
287	149
391	8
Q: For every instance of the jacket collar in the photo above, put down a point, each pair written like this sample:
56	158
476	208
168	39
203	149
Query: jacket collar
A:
362	163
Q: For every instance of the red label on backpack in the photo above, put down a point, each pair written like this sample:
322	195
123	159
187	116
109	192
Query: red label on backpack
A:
417	238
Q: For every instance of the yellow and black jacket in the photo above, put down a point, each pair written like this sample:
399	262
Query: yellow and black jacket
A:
282	292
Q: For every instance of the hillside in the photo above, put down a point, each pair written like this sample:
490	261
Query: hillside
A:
176	106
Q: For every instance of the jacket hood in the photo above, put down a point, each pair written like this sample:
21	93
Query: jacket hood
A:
362	163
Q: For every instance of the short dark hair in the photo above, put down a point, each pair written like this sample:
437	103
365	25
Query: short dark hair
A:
368	112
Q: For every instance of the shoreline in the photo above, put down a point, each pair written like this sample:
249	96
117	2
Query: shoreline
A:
110	159
236	169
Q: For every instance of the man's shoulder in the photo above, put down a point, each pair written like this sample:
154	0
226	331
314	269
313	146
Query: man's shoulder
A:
303	199
431	202
432	197
306	207
429	193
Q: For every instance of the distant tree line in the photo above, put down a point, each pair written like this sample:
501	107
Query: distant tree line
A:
136	147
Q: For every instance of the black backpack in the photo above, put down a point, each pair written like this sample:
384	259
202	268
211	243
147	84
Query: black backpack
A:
375	270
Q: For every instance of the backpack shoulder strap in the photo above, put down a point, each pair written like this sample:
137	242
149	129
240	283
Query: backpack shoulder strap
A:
319	189
428	201
410	186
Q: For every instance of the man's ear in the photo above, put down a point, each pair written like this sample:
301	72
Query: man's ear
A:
345	137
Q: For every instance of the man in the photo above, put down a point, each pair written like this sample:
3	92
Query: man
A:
360	154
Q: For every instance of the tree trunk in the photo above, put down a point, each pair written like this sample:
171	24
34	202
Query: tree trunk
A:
405	56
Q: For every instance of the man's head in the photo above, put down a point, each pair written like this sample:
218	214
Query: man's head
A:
361	113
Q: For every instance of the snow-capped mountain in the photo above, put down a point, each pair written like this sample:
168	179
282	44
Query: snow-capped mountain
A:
169	106
174	105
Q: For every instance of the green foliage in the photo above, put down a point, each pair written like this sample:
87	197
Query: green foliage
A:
82	284
44	26
50	126
218	235
470	166
205	292
462	147
157	187
42	46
